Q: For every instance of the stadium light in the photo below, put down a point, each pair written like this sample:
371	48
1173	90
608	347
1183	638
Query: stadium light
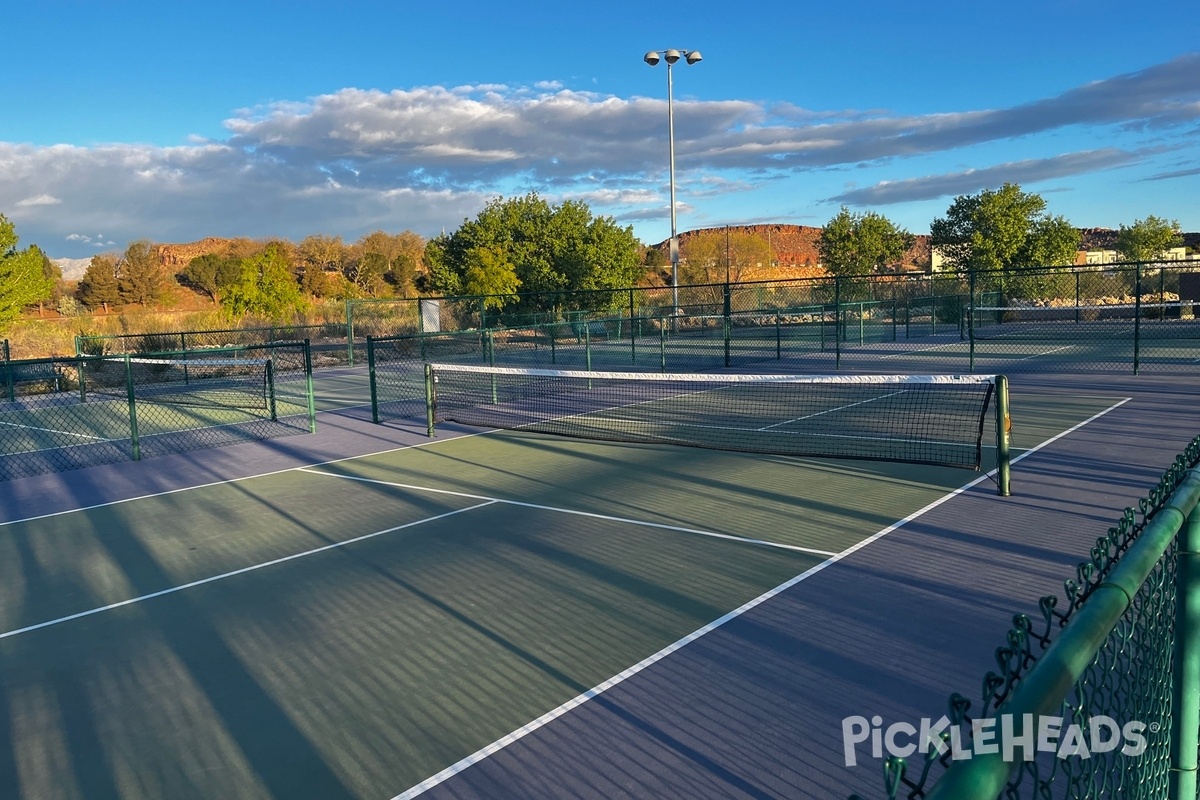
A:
671	57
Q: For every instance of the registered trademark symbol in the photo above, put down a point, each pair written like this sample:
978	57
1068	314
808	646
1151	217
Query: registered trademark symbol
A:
1154	726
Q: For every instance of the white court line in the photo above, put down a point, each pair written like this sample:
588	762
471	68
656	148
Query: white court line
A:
578	700
922	350
1047	352
606	517
52	430
243	570
831	410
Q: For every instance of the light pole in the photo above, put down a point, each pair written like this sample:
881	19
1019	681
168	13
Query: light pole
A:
671	56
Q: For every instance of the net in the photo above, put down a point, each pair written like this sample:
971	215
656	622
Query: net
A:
925	419
1048	323
232	383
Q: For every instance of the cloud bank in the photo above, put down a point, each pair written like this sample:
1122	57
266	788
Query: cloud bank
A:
426	158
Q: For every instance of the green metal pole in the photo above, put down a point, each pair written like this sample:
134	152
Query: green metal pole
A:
1076	298
371	379
308	387
553	337
270	378
430	400
1003	435
1137	322
633	332
350	330
971	322
8	381
491	353
1185	688
135	444
587	344
662	347
837	323
727	321
778	338
894	309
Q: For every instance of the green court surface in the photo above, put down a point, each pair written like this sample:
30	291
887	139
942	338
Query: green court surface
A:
352	628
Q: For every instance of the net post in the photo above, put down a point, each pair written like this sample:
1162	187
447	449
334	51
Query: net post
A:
430	400
270	379
1137	320
135	444
1185	686
371	379
308	387
1003	429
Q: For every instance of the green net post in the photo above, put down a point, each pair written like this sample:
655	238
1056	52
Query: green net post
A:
308	387
1003	433
430	400
1137	320
350	331
371	379
270	379
135	444
1185	688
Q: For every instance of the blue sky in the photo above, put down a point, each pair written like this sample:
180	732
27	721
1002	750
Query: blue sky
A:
175	121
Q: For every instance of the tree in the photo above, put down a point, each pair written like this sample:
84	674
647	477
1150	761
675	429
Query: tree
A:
265	286
98	287
22	279
711	256
1005	230
551	249
860	244
1148	239
490	273
211	274
140	274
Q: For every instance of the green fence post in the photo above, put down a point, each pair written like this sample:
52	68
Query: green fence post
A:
271	407
587	344
135	444
553	348
1076	298
894	308
778	338
1137	320
728	322
350	332
971	322
1185	688
430	401
662	346
837	323
633	332
371	379
9	383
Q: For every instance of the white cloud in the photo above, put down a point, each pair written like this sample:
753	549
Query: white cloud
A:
426	158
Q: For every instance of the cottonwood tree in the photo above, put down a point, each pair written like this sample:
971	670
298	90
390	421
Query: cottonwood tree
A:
1147	239
861	244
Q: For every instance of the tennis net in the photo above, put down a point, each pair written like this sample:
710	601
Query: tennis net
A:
231	383
925	419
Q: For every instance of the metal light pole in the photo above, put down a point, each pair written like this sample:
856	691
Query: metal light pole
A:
671	56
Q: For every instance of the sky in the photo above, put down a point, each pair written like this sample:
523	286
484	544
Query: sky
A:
173	121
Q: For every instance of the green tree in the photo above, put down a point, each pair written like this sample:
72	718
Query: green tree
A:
98	286
211	274
265	286
141	277
1147	239
860	244
1004	229
490	273
551	249
22	278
